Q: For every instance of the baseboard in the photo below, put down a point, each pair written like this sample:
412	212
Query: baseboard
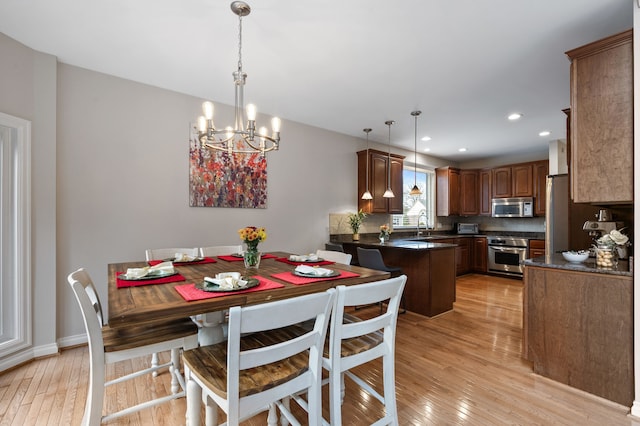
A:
27	355
78	339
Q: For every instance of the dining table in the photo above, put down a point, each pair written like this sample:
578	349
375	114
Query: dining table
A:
181	295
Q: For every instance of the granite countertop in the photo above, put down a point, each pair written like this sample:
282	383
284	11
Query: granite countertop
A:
430	235
556	261
370	240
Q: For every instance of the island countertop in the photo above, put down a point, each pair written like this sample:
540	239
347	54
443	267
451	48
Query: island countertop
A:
556	261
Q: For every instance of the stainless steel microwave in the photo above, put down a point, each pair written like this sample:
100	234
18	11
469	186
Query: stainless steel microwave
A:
512	207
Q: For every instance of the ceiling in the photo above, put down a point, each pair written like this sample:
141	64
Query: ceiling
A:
346	65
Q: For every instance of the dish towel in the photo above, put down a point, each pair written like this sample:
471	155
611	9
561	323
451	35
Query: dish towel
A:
295	279
190	293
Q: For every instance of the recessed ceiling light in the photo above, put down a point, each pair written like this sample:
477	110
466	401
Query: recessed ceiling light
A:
514	116
426	138
427	149
544	133
462	149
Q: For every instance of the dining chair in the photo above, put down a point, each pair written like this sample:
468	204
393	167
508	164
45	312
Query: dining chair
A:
161	254
334	256
108	345
354	342
169	253
219	250
372	259
266	358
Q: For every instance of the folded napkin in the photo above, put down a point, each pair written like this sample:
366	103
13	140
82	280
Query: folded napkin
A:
313	270
164	268
183	257
227	280
304	257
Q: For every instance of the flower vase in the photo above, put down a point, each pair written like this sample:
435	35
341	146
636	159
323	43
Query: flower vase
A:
355	236
252	257
622	252
381	240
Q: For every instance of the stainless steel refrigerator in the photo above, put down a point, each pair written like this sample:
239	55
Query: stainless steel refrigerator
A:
557	215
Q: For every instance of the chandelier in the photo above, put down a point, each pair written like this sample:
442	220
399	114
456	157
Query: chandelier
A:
238	139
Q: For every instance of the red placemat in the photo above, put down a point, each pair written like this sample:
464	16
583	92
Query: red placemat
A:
190	293
295	279
194	262
128	283
291	262
230	258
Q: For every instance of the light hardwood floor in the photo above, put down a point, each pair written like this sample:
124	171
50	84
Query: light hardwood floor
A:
462	367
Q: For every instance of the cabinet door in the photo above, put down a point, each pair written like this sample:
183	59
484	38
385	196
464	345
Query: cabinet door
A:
536	248
447	191
469	192
602	121
540	172
484	194
396	203
501	182
378	183
463	256
522	185
479	254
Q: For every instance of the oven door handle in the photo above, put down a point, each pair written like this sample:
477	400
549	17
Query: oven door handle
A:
507	249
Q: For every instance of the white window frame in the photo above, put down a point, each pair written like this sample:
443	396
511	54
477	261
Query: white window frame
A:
430	219
15	234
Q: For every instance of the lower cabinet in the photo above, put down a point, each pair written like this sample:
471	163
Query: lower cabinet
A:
479	258
463	253
536	248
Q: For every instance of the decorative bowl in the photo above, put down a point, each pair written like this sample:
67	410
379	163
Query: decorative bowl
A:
575	256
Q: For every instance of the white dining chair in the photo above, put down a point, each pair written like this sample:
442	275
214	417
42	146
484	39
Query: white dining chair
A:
334	256
108	345
265	359
162	254
169	253
219	250
353	342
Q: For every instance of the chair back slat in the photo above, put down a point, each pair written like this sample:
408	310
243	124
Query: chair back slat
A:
334	256
169	253
219	250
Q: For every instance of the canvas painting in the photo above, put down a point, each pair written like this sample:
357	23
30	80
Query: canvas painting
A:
220	179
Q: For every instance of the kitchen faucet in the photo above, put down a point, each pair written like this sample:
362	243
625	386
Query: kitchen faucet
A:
422	213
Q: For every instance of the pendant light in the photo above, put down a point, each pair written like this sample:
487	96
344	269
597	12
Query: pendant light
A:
367	195
389	193
415	191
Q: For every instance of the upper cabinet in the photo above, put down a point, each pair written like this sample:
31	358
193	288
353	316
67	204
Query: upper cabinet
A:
540	172
513	181
501	177
484	192
447	191
380	169
602	121
469	203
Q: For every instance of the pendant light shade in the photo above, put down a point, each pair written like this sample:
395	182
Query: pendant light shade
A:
367	195
415	191
389	193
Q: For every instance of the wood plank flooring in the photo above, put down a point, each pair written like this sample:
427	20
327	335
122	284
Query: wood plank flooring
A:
460	368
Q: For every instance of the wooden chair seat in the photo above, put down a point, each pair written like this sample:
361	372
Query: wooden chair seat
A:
132	337
209	363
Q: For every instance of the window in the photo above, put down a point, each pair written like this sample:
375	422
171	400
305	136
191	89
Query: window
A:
419	209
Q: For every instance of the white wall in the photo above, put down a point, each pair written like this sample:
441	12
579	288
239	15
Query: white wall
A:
123	181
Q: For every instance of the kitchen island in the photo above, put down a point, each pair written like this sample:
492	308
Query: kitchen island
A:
578	325
430	268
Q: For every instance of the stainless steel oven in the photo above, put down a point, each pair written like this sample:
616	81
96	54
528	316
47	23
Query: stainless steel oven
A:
506	255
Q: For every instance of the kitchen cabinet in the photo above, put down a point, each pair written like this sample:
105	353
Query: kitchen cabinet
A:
479	258
463	253
447	191
484	192
602	120
522	180
536	248
540	172
501	182
469	202
513	181
380	165
578	330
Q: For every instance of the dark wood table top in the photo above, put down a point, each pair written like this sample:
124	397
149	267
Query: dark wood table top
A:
157	302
